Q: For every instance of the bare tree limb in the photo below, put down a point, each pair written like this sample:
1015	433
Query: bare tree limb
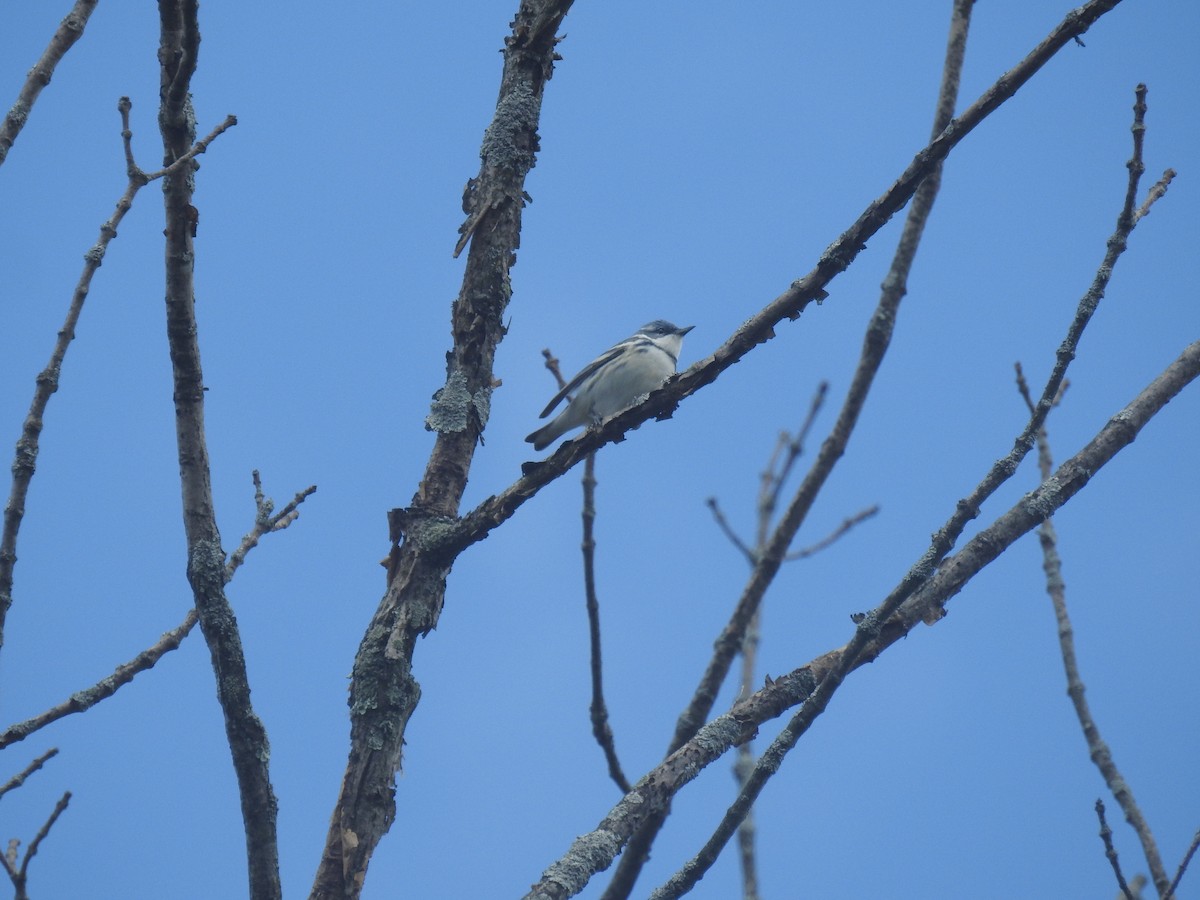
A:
1183	866
1110	851
81	701
875	345
812	684
206	567
69	31
19	873
19	779
1098	749
383	689
266	520
760	327
25	463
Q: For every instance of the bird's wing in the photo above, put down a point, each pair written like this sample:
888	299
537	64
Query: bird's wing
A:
606	357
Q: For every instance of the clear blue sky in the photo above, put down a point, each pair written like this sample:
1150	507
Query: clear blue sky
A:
695	160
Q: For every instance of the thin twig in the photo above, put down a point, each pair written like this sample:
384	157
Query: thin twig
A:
19	779
1155	193
1183	865
69	31
47	381
266	521
1110	851
834	536
794	445
32	849
728	531
601	727
19	874
83	700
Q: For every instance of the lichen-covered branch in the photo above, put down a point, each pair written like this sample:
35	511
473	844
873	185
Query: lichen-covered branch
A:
178	50
383	689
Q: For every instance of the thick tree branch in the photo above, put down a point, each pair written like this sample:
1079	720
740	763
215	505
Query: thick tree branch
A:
69	31
206	572
383	691
812	685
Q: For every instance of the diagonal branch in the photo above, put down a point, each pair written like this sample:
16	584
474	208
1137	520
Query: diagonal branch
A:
69	31
875	345
931	567
1098	748
19	779
811	684
81	701
760	327
47	382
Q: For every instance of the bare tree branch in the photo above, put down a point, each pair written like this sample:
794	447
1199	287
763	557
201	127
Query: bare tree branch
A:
69	31
759	328
81	701
926	570
383	690
875	346
266	520
25	463
1110	851
1098	749
812	685
19	779
19	874
1183	866
206	567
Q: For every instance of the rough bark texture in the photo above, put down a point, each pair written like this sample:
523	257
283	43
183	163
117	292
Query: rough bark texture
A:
178	49
383	691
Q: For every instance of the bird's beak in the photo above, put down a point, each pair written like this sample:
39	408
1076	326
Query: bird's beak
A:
682	331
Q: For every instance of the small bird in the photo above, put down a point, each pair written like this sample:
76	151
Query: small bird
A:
614	380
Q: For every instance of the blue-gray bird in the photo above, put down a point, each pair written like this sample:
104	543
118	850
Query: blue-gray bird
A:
614	380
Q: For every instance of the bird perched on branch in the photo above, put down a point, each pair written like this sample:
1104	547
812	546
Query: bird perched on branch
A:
614	380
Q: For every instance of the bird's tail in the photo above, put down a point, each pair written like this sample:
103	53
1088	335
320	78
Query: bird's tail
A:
546	435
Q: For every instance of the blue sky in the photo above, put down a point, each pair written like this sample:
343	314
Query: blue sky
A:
694	162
